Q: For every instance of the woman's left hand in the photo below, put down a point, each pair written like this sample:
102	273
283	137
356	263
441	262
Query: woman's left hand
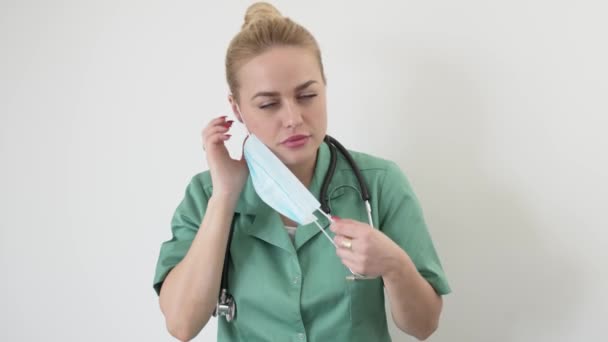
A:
366	250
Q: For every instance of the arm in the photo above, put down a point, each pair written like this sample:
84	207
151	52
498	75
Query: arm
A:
401	252
415	306
190	291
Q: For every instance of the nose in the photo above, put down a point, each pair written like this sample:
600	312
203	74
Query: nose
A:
292	115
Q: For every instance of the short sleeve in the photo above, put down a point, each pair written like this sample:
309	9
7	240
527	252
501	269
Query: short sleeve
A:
184	226
401	219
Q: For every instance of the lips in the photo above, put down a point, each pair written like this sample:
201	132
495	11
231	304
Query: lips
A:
296	141
294	138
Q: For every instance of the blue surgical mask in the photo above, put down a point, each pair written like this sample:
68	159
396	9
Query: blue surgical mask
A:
281	189
276	185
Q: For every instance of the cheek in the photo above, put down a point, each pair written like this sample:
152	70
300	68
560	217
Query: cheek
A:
320	109
267	131
316	112
262	126
318	119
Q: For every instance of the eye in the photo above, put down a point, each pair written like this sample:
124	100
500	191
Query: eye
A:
268	105
307	96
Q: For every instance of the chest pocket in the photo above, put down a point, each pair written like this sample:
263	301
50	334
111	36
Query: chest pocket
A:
366	297
366	300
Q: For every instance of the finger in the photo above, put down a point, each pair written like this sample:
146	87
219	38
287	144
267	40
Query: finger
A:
219	127
213	127
216	129
217	120
218	139
346	254
355	262
354	266
343	242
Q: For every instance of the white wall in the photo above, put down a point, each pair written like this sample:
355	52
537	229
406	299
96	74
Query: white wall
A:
495	110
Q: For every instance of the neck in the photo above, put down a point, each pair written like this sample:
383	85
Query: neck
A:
304	171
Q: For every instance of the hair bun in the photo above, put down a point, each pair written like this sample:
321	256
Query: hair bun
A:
260	11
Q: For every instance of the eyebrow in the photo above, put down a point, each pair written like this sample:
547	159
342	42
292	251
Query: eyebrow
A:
274	93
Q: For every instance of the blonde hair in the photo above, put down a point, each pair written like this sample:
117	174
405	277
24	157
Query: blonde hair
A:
264	28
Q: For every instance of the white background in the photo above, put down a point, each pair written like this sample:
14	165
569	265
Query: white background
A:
495	110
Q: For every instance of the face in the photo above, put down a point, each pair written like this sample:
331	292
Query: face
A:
282	101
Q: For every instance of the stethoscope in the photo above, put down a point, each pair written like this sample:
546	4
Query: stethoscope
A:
226	305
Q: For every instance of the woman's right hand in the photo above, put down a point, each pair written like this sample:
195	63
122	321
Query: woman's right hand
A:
227	175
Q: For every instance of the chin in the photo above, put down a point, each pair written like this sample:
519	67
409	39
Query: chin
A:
301	156
290	159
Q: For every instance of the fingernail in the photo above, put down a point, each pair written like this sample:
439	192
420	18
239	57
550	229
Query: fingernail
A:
227	136
228	123
335	217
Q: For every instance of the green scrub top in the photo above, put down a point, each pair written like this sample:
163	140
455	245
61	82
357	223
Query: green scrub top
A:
298	291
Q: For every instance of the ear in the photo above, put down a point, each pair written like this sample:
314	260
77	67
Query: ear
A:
235	108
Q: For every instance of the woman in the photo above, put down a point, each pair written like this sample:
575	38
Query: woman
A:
288	281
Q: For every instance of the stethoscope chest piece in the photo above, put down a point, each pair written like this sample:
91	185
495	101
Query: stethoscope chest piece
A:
225	307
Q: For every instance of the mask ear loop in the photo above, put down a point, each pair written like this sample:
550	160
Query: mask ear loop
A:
242	117
323	230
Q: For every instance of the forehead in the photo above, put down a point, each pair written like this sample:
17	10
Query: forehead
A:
278	69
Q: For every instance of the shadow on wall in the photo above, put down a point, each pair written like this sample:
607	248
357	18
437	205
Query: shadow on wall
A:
507	284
